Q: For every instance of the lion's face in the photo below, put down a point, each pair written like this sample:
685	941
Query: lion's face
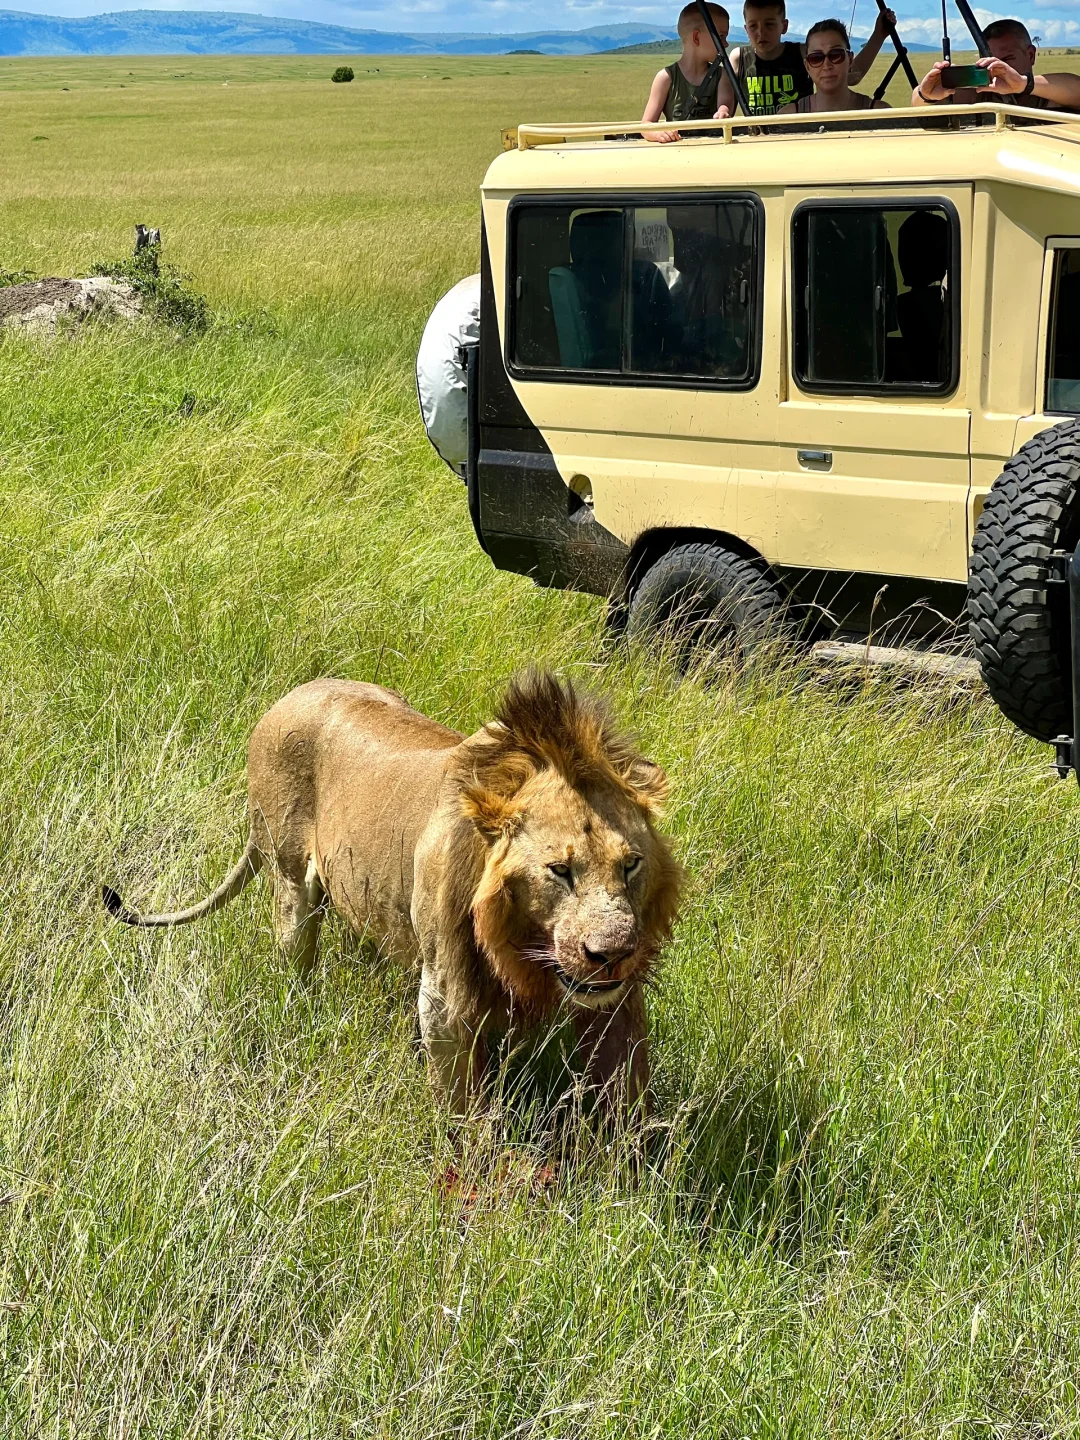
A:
579	890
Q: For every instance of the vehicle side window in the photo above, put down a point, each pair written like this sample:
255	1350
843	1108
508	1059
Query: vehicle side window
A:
658	291
1063	359
876	298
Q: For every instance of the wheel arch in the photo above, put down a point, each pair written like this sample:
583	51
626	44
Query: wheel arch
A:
651	546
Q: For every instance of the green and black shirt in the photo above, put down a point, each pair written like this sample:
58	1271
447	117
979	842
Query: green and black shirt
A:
772	84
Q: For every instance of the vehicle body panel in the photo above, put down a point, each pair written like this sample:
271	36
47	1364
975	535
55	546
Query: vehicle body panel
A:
906	474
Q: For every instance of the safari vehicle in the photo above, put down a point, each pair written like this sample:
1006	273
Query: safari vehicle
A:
822	367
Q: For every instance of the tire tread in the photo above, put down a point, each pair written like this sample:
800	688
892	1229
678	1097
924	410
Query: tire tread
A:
1012	620
748	580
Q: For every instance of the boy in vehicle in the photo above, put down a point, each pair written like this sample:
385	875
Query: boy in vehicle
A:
686	89
1011	64
771	68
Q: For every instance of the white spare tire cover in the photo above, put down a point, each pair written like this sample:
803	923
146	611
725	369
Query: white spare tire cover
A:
440	375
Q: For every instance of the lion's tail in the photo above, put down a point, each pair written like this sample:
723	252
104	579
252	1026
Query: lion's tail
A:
245	869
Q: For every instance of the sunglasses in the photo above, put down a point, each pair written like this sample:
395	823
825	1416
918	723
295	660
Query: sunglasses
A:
836	56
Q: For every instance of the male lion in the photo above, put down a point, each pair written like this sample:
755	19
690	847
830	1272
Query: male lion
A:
518	869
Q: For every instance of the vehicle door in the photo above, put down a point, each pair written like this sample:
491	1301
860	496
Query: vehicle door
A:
874	420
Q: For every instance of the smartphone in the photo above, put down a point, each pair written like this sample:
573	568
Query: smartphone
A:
964	77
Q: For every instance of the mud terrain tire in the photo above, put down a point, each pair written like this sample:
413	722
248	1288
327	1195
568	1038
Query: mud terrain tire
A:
701	597
1019	617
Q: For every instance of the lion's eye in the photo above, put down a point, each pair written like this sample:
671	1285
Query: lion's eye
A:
563	872
631	865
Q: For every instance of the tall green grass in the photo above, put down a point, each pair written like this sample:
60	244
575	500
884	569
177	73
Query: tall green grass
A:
219	1213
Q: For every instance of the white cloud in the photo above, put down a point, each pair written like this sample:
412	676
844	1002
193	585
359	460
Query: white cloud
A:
926	30
1055	32
922	32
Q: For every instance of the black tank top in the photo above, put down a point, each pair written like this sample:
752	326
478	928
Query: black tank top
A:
772	84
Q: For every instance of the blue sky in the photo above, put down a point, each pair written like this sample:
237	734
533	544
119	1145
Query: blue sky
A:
1056	23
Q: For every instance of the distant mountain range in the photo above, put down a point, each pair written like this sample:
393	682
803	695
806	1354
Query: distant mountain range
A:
190	32
738	37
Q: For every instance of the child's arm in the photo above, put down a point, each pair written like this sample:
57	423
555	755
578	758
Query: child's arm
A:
654	108
868	54
661	89
725	96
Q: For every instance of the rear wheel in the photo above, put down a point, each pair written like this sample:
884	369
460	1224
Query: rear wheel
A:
702	598
1019	616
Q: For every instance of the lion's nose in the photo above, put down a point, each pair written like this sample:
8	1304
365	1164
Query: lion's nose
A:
608	957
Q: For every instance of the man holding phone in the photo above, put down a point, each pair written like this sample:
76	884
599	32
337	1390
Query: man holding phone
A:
1009	73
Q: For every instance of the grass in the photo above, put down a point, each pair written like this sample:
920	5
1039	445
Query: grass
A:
218	1214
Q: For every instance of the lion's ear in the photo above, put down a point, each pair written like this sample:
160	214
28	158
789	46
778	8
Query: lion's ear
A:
648	783
493	815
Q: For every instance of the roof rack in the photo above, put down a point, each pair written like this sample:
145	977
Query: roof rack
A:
959	117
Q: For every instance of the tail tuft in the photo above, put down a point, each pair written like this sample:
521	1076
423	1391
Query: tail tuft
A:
248	865
115	906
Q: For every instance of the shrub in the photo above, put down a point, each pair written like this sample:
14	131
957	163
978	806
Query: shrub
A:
342	74
165	292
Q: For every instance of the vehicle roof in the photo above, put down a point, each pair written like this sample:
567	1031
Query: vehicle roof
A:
1038	149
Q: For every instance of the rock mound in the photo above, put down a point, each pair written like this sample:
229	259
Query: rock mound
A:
40	305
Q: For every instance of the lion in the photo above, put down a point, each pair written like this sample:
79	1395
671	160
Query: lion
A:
519	869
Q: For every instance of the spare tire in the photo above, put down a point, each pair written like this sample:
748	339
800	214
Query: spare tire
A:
1017	612
440	370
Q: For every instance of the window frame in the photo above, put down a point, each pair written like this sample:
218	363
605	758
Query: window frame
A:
1054	245
625	200
884	390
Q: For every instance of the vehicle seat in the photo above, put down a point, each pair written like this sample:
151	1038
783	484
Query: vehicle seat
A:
923	244
575	342
650	336
585	298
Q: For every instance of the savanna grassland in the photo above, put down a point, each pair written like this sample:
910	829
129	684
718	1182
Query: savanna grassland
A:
219	1215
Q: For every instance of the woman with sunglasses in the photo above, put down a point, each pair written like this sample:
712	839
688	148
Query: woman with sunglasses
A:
828	63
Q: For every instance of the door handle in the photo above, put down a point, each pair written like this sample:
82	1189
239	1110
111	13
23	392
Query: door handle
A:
816	457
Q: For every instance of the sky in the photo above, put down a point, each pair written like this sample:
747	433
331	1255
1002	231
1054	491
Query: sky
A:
1057	23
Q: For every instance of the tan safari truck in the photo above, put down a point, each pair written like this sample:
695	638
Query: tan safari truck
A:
811	367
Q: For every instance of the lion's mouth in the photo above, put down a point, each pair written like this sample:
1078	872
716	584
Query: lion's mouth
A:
586	987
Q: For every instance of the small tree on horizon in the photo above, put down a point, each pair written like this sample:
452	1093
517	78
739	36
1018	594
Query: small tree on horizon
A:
342	74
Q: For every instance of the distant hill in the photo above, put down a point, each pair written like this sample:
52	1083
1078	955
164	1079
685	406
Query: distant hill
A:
189	32
671	47
665	47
